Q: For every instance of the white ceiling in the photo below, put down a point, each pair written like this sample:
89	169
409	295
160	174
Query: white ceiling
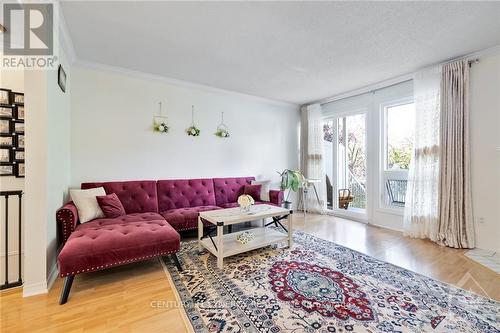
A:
288	51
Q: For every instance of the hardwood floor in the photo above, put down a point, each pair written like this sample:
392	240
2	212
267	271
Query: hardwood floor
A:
115	300
422	256
134	298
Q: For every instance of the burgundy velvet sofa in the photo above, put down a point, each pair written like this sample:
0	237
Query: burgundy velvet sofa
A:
155	212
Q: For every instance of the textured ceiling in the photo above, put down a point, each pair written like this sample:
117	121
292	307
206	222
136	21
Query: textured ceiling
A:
289	51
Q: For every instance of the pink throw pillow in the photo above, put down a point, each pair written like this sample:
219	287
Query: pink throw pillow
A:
111	205
253	191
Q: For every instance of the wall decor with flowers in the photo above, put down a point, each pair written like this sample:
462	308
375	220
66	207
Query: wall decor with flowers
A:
222	129
193	130
160	122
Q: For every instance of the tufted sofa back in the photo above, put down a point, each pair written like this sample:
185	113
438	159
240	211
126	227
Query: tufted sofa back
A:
136	196
143	196
182	193
229	189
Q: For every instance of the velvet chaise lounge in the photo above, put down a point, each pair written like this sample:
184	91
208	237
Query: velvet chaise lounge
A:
155	213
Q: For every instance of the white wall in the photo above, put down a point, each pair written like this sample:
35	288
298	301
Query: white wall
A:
47	171
112	136
35	183
58	154
485	148
14	80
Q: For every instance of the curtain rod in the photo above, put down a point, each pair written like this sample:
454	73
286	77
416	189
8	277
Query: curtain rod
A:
381	85
367	90
473	61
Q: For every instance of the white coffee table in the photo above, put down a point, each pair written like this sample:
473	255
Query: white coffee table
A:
223	246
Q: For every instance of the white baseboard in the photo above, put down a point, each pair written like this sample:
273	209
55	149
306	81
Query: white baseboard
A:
54	273
35	289
41	287
386	227
490	249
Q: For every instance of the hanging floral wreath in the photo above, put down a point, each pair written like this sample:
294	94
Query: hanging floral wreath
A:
160	122
161	127
222	130
222	133
193	130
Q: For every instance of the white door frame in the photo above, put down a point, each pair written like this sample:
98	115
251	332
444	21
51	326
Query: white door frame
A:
353	215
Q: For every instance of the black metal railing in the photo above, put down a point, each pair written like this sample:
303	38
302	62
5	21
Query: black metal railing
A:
6	195
396	189
358	191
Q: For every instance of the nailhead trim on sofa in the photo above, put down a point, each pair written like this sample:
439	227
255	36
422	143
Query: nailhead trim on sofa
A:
118	263
67	217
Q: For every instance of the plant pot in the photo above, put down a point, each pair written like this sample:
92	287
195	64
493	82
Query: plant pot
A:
286	204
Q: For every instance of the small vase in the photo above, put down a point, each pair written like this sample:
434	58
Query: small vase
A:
245	209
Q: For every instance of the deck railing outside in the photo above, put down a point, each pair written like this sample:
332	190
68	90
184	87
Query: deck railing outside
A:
358	191
396	191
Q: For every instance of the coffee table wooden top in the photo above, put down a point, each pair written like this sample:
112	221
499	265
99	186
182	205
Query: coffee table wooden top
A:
235	215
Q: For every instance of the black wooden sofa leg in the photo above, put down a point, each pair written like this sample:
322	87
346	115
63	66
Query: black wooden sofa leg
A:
176	261
67	287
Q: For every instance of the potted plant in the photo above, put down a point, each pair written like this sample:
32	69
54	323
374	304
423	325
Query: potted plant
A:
290	180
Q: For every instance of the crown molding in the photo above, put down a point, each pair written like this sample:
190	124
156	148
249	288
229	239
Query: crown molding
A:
178	83
65	36
402	78
67	44
484	52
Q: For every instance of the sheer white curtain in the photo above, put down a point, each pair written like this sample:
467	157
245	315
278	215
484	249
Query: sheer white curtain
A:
313	157
422	197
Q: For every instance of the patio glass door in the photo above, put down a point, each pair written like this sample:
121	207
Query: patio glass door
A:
346	164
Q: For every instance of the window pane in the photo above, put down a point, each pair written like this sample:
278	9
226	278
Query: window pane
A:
400	132
399	136
328	137
351	161
356	154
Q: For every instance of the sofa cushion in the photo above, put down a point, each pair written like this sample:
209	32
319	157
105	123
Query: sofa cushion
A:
183	193
229	189
264	191
111	205
235	204
185	218
253	191
136	196
86	203
104	243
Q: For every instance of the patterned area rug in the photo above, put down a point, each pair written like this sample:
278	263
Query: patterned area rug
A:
319	286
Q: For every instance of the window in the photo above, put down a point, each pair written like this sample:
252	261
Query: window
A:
399	127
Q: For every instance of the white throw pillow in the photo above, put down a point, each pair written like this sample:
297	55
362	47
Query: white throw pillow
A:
264	190
86	203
